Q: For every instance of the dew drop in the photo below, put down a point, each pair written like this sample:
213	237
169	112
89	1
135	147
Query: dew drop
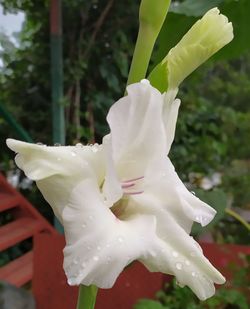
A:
90	217
193	192
120	239
73	154
178	266
181	285
153	253
79	145
96	258
193	253
71	281
145	81
95	148
193	274
187	262
175	254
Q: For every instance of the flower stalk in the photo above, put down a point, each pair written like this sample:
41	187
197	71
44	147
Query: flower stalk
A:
151	18
87	297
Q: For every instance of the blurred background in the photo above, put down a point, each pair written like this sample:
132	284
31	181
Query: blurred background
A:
211	151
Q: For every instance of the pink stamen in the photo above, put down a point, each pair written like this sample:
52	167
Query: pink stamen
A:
133	179
133	192
129	185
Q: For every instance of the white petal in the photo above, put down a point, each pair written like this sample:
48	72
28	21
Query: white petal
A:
170	114
98	245
137	130
175	252
111	189
58	169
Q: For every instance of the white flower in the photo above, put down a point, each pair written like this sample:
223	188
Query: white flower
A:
122	200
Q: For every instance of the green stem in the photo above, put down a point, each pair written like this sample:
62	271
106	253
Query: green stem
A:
151	18
87	297
238	218
143	50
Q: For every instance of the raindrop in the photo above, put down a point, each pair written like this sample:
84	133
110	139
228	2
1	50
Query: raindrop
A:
73	153
71	281
181	285
90	217
178	266
83	264
57	144
175	254
120	239
187	262
153	253
95	148
193	253
145	81
193	192
79	145
198	219
193	274
96	258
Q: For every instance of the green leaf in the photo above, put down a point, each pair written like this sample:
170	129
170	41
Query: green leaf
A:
194	7
148	304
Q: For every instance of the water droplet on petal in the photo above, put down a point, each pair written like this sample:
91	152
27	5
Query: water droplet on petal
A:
193	253
57	144
83	264
90	217
83	225
193	192
193	274
187	262
175	254
153	253
75	261
96	258
73	154
95	148
120	239
181	285
40	144
79	145
71	281
178	266
145	81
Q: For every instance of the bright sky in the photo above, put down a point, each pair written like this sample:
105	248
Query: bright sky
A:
11	22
